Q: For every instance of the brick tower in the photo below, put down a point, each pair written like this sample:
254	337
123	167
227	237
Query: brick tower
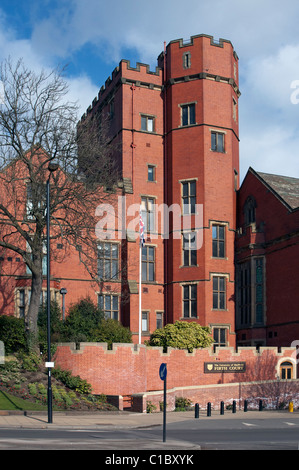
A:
178	132
201	167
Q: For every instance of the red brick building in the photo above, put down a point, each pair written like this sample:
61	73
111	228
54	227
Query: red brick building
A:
177	128
267	253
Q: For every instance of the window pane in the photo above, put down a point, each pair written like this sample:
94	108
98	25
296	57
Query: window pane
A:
115	302
215	300
150	124
221	249
143	123
150	173
186	292
192	114
222	301
186	309
144	324
213	141
107	302
193	258
215	249
114	273
193	308
192	188
151	253
220	143
184	115
144	271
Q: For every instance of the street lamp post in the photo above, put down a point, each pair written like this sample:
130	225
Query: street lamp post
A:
51	167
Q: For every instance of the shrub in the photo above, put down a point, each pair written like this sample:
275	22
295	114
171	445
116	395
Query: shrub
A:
182	335
150	407
82	319
73	382
182	404
111	331
12	333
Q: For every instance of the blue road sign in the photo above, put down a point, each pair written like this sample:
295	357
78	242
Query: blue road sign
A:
163	371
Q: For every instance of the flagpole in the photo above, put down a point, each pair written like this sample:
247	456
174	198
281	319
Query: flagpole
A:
141	243
140	270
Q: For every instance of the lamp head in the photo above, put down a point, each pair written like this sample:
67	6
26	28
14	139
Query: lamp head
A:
53	166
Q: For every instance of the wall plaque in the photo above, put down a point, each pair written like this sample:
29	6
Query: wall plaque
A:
216	367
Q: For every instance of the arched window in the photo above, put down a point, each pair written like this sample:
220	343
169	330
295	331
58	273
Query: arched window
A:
286	370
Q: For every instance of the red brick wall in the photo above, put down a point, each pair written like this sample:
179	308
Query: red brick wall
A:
129	369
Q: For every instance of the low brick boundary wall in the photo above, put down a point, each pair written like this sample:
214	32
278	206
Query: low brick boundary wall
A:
131	372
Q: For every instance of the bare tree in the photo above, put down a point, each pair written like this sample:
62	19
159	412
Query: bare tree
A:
39	126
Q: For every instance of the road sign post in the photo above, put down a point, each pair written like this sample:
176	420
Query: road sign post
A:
163	375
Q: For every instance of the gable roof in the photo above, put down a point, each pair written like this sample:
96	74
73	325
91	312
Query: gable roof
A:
286	188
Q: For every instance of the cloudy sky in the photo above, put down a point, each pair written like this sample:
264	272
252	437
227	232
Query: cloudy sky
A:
92	36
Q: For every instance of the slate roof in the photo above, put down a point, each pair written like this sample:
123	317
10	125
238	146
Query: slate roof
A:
286	188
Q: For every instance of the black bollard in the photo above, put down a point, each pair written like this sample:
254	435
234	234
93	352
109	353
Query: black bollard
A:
234	406
209	409
261	405
222	408
245	405
196	410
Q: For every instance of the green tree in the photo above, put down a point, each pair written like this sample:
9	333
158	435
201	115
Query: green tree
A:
82	320
12	333
56	324
181	335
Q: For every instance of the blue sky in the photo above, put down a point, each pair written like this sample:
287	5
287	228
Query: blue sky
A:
92	36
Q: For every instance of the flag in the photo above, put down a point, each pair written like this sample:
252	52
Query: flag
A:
141	230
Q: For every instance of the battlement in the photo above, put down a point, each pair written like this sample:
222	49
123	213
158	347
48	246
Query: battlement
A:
213	42
129	368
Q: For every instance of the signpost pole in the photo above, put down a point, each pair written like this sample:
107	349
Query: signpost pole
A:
163	374
164	412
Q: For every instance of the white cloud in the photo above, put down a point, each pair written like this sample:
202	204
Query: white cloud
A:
264	34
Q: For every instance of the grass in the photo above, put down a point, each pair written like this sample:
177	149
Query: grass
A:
11	403
23	387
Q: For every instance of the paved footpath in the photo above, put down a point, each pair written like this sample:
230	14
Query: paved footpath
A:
122	419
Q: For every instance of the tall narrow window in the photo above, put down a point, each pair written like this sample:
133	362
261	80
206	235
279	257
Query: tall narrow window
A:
159	320
148	263
219	293
189	197
190	301
150	173
110	305
188	114
259	288
186	60
218	236
189	249
244	293
145	322
217	142
249	210
148	214
108	260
